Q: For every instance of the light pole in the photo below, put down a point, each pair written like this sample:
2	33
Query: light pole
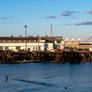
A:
25	36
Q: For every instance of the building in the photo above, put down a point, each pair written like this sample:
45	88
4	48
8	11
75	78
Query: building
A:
78	45
24	43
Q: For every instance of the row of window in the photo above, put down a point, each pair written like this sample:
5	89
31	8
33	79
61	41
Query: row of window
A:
16	41
19	48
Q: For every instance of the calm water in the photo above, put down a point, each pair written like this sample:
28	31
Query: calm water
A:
46	77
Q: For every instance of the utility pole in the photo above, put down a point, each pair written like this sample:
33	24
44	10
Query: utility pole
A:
25	36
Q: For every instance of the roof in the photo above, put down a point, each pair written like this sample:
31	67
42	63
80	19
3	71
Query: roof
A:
31	38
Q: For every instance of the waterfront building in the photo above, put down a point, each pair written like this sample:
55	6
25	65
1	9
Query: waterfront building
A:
78	45
24	43
85	45
59	45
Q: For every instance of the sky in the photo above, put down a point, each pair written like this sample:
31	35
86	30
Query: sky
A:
69	18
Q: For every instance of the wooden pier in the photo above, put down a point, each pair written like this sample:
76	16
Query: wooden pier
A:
59	56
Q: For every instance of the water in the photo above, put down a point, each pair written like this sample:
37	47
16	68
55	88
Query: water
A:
50	77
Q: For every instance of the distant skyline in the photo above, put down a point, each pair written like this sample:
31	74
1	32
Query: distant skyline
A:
69	18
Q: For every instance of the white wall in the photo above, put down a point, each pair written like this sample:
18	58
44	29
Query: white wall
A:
49	46
32	46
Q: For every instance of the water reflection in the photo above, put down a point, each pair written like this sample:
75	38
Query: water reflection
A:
34	82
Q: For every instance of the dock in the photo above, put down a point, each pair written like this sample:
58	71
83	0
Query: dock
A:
59	56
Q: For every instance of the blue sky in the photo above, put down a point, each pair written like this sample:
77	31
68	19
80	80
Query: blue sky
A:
70	18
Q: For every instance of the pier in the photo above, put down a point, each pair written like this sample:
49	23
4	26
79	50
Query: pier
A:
58	56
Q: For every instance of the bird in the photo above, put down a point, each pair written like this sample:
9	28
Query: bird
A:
6	78
66	87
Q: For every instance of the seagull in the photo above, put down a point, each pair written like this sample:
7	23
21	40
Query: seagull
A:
66	87
6	78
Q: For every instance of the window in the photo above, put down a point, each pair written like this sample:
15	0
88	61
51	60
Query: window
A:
17	47
36	48
28	49
6	48
39	48
1	47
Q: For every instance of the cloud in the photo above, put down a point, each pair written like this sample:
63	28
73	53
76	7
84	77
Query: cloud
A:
84	23
12	22
68	13
6	18
89	12
50	17
67	24
75	18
